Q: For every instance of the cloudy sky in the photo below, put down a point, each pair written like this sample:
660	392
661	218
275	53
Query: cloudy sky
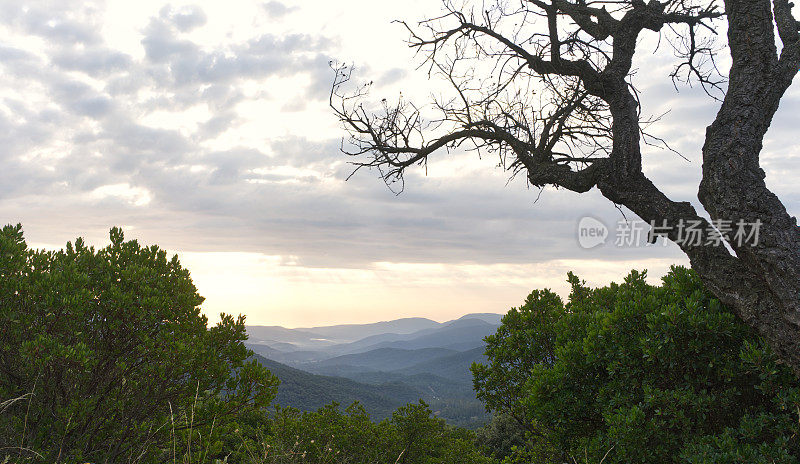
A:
203	127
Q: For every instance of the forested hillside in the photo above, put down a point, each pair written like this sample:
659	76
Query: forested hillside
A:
379	392
420	358
309	392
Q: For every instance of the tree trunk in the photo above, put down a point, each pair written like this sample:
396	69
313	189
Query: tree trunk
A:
761	282
766	292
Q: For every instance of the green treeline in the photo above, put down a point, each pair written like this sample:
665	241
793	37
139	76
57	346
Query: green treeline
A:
330	435
106	358
306	392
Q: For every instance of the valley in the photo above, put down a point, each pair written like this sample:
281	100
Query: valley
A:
382	365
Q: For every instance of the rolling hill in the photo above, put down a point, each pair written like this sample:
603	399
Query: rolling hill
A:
452	367
308	392
384	358
459	335
491	318
302	348
382	365
358	331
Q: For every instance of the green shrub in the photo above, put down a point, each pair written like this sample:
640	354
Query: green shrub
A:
105	357
634	373
332	436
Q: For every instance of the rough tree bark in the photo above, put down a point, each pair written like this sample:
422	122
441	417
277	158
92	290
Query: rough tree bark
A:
585	131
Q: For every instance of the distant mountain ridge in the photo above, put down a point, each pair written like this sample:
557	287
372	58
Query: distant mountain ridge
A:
384	362
358	331
315	337
491	318
462	334
381	358
305	347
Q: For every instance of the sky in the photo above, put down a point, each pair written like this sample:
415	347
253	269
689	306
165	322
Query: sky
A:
203	127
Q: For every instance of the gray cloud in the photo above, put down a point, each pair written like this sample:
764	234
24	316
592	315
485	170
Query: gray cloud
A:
185	19
218	124
391	76
161	44
277	9
57	21
96	61
11	54
80	99
285	194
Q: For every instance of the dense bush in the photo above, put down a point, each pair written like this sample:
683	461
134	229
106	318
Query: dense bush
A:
411	436
501	436
105	357
634	373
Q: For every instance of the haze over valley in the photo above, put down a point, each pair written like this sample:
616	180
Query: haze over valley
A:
383	365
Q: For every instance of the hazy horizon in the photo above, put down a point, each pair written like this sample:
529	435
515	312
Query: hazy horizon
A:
368	322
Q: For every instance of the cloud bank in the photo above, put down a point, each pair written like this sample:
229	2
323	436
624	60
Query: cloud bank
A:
205	130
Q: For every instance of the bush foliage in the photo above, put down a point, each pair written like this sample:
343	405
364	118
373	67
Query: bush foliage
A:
635	373
105	357
412	435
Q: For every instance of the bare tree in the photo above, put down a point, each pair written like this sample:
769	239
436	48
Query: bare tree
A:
547	86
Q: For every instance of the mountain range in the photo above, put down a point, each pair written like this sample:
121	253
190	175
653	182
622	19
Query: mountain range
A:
383	365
